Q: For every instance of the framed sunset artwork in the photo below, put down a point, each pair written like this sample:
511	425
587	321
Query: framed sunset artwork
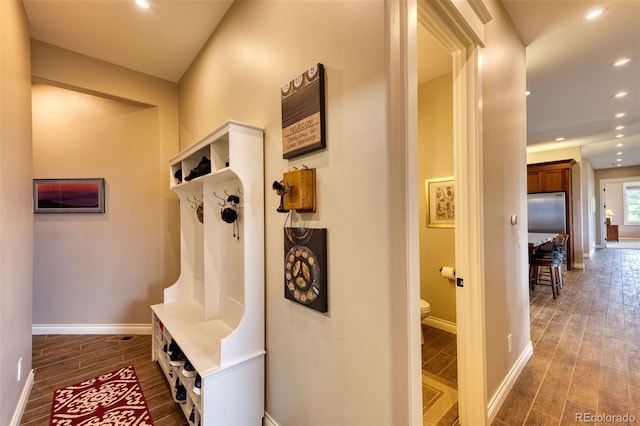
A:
68	195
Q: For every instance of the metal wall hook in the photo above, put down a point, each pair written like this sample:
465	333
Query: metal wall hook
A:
195	202
224	201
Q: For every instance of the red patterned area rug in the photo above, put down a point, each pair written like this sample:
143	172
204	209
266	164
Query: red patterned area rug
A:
113	399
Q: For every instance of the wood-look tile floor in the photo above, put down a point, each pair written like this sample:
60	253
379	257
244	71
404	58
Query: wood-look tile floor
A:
586	347
440	355
63	360
440	362
586	354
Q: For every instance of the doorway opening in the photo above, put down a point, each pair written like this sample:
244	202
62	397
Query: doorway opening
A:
462	46
437	231
613	228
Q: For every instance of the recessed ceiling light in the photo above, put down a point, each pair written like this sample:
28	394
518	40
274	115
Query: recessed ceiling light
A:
559	139
593	14
143	4
621	62
618	165
619	153
527	93
619	159
619	135
619	145
619	127
620	94
620	115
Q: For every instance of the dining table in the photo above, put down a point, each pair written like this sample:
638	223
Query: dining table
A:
536	239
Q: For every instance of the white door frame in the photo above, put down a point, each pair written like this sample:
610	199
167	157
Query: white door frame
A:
459	26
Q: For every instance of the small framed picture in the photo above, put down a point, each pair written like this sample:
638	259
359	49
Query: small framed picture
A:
68	195
439	194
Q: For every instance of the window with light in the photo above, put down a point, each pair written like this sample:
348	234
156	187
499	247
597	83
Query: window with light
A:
631	203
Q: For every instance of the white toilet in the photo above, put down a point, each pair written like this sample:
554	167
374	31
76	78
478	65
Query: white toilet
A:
425	310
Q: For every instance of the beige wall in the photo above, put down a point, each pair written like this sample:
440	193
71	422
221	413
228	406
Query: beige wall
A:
16	219
580	213
505	188
613	200
617	173
555	155
435	160
333	368
93	268
121	125
589	208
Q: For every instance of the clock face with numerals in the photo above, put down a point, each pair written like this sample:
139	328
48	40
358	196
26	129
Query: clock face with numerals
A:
305	267
302	274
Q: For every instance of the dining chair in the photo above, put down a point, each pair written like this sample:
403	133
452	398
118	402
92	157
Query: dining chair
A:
558	248
546	265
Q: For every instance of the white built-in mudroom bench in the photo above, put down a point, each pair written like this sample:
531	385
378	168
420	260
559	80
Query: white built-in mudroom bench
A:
208	335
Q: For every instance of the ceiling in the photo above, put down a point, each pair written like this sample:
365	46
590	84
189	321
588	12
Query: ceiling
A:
433	60
161	41
572	80
569	70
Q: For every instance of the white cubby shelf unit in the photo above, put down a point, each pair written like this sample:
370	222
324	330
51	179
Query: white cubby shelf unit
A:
215	310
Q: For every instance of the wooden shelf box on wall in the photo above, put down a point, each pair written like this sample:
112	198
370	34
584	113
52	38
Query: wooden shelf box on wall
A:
215	310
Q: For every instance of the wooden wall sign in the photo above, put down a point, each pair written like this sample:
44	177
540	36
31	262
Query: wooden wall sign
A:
303	127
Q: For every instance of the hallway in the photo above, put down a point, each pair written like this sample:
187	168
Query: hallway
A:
586	347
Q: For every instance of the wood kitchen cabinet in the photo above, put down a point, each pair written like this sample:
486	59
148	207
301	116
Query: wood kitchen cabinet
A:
555	176
549	177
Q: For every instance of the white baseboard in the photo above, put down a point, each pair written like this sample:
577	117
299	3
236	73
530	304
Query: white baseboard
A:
268	420
578	265
37	329
441	324
22	402
505	387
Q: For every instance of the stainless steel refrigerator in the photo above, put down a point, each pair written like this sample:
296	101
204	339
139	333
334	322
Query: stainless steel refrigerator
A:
547	212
